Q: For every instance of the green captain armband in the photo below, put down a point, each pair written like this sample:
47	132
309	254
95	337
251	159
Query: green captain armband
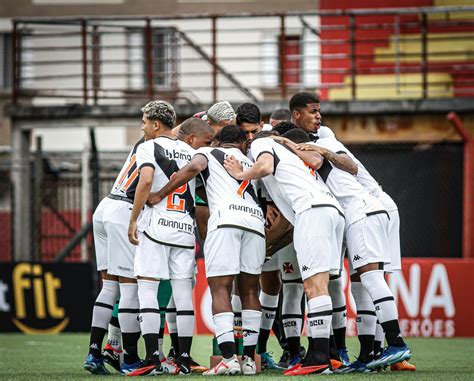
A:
200	201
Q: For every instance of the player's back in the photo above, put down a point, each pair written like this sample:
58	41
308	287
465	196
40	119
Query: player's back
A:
353	197
172	220
231	202
293	177
126	182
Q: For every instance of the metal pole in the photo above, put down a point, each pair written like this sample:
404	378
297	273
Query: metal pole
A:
352	41
21	179
424	54
37	199
397	54
95	62
85	197
282	57
15	63
149	58
214	58
84	61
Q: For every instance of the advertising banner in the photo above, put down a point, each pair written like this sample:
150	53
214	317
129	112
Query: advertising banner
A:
433	297
45	298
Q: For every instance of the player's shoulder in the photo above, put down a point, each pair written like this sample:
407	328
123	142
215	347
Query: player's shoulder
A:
326	132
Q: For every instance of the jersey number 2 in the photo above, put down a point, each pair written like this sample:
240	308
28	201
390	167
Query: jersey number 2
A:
174	201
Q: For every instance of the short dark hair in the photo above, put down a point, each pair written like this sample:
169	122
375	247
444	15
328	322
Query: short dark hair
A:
281	114
284	127
301	100
248	113
297	135
232	134
195	126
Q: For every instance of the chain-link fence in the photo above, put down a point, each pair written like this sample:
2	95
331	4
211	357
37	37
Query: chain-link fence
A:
426	182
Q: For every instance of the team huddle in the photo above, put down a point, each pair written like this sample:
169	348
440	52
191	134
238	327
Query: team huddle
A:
278	207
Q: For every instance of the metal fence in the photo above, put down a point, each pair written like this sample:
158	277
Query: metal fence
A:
425	180
409	53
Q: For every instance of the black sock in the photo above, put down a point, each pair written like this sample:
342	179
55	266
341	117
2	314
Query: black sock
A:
392	333
293	345
332	348
366	348
318	351
95	343
184	345
115	321
151	345
175	343
228	349
263	339
340	337
249	351
377	348
130	347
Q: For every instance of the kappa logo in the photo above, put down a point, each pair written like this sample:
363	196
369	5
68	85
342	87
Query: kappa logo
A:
357	258
305	268
94	346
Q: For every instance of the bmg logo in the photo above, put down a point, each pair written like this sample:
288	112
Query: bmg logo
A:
44	287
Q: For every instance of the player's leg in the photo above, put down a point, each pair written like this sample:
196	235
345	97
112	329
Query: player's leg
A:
367	241
252	256
270	285
151	265
221	254
112	351
292	313
315	232
172	329
336	291
109	293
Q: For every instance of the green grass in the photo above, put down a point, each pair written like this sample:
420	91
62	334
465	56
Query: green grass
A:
60	357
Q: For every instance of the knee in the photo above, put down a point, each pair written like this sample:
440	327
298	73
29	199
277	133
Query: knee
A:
317	285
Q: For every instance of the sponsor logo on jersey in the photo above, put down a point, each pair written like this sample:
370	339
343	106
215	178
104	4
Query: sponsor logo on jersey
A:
178	155
180	226
257	212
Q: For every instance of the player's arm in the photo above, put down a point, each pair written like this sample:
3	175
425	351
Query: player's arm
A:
285	240
340	160
262	167
197	164
278	235
312	158
141	194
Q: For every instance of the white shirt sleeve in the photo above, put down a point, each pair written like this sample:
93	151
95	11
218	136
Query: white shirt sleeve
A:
145	155
260	146
331	144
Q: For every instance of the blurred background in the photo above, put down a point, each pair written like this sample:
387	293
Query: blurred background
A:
396	83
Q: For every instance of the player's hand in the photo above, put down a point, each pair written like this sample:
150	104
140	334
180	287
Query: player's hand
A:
153	199
307	147
132	233
232	165
272	214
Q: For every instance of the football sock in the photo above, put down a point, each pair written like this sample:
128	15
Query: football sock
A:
379	339
149	317
251	320
269	307
237	308
339	313
292	317
172	328
224	328
319	326
183	299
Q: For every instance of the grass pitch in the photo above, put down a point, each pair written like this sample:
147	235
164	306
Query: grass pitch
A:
60	357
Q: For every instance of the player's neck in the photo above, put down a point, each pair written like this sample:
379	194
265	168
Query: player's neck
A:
165	134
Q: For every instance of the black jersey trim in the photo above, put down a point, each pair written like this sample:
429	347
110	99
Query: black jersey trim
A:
241	228
119	198
344	152
366	312
286	281
146	165
320	313
329	205
377	212
261	153
166	243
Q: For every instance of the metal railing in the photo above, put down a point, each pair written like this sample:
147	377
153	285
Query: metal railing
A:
416	52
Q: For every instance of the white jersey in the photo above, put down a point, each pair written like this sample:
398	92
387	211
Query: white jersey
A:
353	197
232	203
322	132
170	222
292	187
371	185
127	180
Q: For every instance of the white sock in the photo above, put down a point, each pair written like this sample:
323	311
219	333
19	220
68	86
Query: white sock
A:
224	327
183	299
292	318
114	337
319	317
104	304
251	320
129	308
171	316
237	308
149	309
336	292
381	295
269	307
366	318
